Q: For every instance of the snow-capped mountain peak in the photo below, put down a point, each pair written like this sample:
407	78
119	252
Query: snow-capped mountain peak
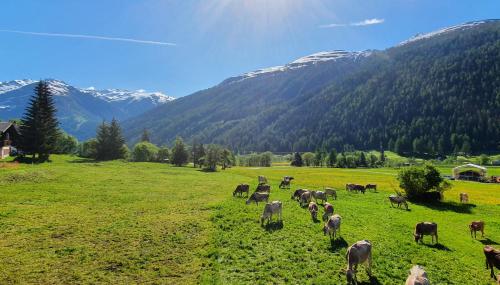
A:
14	84
113	95
461	27
305	61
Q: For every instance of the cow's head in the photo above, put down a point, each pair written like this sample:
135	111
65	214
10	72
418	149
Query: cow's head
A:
350	275
417	237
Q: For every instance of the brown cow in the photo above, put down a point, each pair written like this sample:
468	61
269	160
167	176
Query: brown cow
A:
305	198
263	188
328	211
331	192
371	186
425	228
240	189
273	208
400	200
296	195
313	209
258	197
332	226
492	259
358	253
319	195
464	198
285	183
475	227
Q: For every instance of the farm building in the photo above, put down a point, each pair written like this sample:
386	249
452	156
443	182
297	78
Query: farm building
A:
470	172
9	137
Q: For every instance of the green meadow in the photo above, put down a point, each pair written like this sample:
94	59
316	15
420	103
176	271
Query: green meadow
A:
74	221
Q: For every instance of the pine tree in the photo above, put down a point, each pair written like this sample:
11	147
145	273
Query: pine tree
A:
179	154
297	160
39	129
116	141
332	158
102	144
145	136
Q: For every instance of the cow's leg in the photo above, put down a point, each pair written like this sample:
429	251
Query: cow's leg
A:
369	267
482	232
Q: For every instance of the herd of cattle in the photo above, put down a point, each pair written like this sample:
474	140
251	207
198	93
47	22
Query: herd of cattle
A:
359	252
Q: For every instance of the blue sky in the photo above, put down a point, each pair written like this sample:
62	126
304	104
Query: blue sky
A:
182	46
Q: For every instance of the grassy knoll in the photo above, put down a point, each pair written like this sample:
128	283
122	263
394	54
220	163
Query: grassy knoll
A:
73	221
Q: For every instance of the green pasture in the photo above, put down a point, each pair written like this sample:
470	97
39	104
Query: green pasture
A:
75	221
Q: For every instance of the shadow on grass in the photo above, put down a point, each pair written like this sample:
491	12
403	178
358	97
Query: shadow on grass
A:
488	241
338	243
273	226
438	246
448	206
373	281
83	160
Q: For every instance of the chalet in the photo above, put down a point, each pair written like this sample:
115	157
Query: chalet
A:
9	137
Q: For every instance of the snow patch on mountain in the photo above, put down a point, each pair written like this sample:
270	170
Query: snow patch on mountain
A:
14	84
461	27
60	88
306	61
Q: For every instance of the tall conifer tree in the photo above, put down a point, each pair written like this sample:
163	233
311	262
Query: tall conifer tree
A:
39	127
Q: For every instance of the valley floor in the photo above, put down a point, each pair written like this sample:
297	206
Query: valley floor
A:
76	221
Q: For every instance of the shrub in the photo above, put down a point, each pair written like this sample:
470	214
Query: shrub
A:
163	154
417	182
145	152
88	149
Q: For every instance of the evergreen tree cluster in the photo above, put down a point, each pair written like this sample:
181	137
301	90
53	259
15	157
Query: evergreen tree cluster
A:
110	143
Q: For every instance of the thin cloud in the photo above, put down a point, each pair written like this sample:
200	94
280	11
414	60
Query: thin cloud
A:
366	22
92	37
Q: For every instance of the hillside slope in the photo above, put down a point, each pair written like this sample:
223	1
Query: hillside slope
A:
438	92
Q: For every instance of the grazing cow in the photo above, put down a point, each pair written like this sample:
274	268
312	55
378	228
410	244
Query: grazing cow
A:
492	259
296	195
328	211
319	195
425	228
258	197
358	253
349	187
273	208
371	186
262	180
332	226
305	198
418	276
263	188
331	192
313	209
240	189
400	200
285	183
475	227
464	198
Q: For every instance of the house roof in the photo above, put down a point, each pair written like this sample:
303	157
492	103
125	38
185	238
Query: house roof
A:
469	165
4	126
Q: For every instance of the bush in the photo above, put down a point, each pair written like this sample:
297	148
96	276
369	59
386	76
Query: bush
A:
163	154
66	144
145	152
417	182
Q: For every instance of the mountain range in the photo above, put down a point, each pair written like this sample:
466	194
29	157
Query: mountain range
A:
434	93
79	110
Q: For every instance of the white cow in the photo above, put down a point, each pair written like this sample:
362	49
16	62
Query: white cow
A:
358	253
418	276
271	209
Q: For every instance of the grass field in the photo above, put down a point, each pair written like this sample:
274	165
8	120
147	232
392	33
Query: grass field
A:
75	221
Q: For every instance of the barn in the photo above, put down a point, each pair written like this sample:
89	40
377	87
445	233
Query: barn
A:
470	172
9	138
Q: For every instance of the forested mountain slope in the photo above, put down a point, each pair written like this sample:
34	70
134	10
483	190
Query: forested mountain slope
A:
435	93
